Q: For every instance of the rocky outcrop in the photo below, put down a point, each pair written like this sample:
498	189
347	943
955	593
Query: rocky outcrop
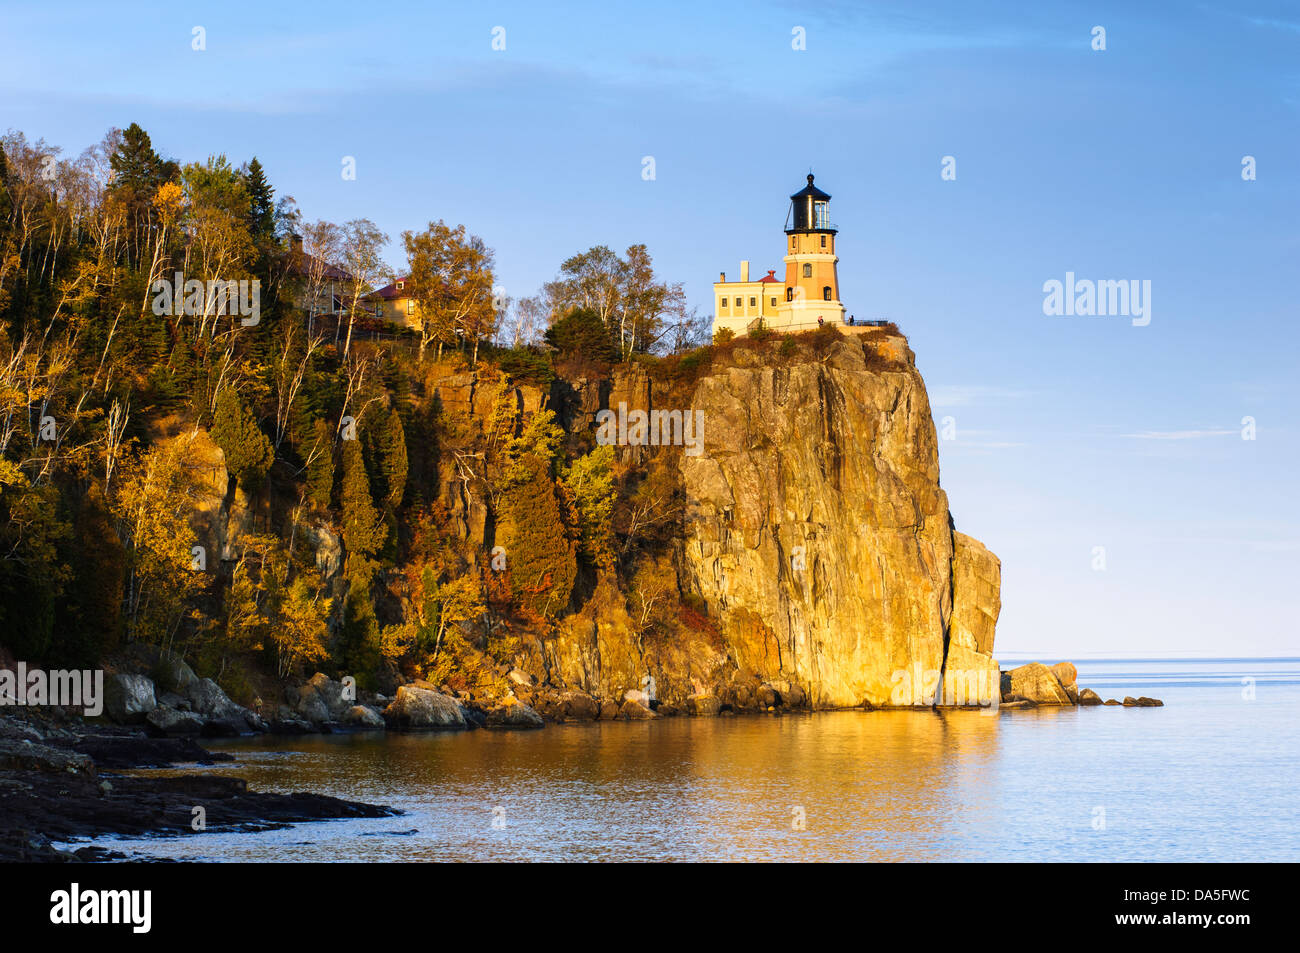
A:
128	699
416	707
816	529
1034	682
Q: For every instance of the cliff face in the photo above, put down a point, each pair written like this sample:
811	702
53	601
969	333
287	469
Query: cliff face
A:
818	536
818	533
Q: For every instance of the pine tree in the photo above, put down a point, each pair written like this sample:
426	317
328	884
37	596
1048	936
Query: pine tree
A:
248	451
261	203
363	530
540	555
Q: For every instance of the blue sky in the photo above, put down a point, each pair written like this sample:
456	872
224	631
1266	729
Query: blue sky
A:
1071	432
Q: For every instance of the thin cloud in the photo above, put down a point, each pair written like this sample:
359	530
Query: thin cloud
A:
1180	434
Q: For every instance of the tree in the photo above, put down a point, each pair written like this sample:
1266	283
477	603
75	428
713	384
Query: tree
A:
361	248
363	529
450	280
540	555
386	443
581	333
301	631
590	482
247	450
261	203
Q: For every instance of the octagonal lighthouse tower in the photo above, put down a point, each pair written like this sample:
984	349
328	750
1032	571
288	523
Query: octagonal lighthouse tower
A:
812	283
812	286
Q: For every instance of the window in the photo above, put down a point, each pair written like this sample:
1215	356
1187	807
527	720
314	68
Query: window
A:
410	306
823	241
774	302
724	302
379	309
401	285
821	215
753	302
789	294
826	293
807	271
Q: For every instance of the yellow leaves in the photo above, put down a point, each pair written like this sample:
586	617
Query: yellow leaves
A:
169	200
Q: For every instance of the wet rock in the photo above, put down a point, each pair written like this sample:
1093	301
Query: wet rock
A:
128	698
795	697
514	716
608	710
1130	701
1110	701
1017	705
767	696
331	694
416	707
637	696
1089	697
312	708
170	723
1145	702
359	716
27	756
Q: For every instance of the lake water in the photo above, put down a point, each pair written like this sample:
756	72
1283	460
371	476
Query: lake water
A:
1212	776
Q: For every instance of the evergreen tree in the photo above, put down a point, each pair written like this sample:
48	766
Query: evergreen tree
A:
540	555
261	203
248	450
363	530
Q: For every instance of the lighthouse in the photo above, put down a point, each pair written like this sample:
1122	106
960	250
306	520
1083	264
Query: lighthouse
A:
810	294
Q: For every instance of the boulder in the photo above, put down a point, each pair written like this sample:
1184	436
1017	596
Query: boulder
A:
1067	675
703	706
767	696
174	675
1130	701
795	697
1089	697
331	693
637	696
1035	682
1110	701
221	716
608	711
359	716
128	699
1145	702
580	706
635	711
514	716
1016	705
313	708
26	756
423	708
171	723
519	677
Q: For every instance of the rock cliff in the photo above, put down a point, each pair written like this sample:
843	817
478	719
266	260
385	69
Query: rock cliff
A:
817	534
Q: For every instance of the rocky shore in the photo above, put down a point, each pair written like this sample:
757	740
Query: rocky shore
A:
60	780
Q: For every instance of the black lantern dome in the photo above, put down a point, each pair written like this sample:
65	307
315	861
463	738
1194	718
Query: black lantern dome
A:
810	211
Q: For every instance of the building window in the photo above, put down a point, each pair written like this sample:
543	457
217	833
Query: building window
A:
826	293
410	306
401	285
774	302
789	294
807	271
379	309
724	302
823	241
753	302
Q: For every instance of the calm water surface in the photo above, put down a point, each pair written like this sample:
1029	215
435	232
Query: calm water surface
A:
1211	776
